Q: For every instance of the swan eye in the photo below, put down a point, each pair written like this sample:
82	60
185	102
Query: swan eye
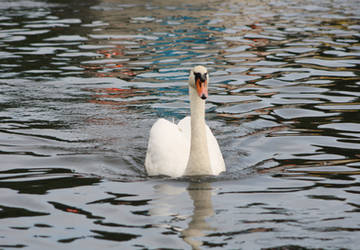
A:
201	77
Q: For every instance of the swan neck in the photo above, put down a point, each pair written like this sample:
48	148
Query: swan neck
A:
199	163
197	108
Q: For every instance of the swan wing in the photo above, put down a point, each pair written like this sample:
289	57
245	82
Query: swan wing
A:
185	127
216	158
168	150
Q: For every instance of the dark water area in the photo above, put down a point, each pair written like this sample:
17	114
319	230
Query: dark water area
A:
82	82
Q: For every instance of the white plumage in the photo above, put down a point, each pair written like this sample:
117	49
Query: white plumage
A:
189	147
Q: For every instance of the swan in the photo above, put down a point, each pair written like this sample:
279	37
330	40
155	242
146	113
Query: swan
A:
188	148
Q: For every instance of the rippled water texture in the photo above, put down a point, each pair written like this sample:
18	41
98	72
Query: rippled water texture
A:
81	83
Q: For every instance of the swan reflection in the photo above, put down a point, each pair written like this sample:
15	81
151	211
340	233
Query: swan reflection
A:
201	194
174	196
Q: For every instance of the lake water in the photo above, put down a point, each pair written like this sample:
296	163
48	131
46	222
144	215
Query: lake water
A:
82	82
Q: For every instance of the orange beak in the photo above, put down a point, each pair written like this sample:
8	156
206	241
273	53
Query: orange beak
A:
202	89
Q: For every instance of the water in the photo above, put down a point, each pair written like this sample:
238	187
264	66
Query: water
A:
81	83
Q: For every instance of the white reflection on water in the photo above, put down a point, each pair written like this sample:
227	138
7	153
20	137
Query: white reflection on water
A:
201	197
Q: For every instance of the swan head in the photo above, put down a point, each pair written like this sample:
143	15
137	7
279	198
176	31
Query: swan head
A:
198	80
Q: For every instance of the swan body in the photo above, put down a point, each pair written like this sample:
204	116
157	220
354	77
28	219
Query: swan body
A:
189	147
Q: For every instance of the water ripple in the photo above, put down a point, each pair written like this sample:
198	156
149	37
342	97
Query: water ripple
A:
81	82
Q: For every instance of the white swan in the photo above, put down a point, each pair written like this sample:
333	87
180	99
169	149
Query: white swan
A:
188	148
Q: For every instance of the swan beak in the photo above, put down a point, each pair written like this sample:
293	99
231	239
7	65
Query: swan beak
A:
201	87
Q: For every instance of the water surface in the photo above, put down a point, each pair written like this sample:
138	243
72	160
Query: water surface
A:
81	83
